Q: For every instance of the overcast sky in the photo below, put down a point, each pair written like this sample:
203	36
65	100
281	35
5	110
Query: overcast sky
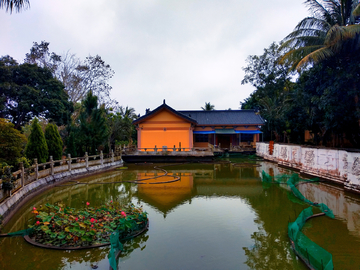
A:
187	51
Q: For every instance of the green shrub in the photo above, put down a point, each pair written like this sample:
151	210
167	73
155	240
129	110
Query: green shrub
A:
12	142
25	161
53	141
37	147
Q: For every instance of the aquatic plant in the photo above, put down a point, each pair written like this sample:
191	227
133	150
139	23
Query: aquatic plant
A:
62	226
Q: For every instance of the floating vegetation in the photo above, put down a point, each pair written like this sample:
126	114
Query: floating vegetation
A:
65	227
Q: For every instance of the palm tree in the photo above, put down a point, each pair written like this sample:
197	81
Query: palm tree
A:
128	112
356	11
128	116
208	107
323	35
18	5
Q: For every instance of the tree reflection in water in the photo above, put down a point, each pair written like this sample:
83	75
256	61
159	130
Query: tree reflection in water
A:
271	249
232	200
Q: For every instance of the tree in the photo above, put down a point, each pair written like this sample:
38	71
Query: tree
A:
28	91
40	55
273	94
78	77
356	11
12	143
53	141
127	128
94	74
208	107
16	5
93	124
329	95
36	146
324	34
71	145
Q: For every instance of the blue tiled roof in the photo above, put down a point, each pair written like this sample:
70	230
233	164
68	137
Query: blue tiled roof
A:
226	117
211	118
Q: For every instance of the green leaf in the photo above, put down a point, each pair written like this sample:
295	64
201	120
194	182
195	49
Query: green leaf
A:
59	222
44	228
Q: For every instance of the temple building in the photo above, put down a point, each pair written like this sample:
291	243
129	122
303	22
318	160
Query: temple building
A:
166	128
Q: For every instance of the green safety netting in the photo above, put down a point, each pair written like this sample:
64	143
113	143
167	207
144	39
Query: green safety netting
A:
313	255
116	247
21	233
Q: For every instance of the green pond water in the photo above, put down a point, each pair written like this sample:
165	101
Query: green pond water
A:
219	216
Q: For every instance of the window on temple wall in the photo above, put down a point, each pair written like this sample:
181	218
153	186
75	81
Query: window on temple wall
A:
201	137
247	137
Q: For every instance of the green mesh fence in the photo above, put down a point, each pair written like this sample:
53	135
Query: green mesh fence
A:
312	254
293	180
21	233
116	247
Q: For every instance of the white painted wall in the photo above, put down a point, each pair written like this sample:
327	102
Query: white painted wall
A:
335	165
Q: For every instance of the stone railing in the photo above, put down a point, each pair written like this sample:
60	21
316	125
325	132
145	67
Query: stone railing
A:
175	151
39	175
336	165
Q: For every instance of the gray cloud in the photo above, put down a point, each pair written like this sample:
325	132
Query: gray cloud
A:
188	52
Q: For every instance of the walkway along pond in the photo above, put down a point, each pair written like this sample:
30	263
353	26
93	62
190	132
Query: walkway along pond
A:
219	216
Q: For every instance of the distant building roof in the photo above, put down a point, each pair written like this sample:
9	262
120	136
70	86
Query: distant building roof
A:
225	117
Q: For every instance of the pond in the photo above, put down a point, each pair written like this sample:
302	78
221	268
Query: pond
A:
219	216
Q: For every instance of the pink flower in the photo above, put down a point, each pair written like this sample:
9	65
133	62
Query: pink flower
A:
123	214
92	220
92	225
60	209
76	219
37	222
111	201
34	208
87	203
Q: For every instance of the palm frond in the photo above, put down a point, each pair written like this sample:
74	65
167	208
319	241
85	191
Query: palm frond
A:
352	30
334	35
314	23
315	57
16	5
356	11
315	7
303	41
296	55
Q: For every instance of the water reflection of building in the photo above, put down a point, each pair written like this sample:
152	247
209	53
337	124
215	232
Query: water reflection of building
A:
203	180
166	196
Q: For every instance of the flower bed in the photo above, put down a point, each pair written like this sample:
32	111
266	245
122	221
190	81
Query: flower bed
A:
64	227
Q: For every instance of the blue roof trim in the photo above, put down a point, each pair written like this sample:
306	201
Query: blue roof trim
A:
204	132
248	131
230	131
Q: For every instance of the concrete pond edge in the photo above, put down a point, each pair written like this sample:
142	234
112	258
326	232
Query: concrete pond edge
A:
12	204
